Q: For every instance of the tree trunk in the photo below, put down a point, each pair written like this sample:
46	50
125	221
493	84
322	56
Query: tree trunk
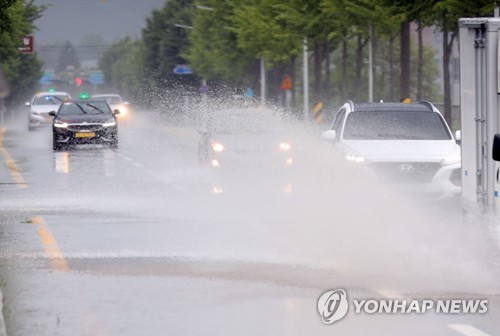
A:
447	47
328	74
391	68
373	42
405	61
359	67
291	72
345	60
420	63
318	74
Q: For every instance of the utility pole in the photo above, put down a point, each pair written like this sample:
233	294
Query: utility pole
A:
306	80
262	82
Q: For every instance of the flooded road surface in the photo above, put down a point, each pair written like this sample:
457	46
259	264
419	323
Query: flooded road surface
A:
136	241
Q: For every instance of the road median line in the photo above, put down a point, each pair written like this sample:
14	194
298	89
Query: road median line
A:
50	245
11	164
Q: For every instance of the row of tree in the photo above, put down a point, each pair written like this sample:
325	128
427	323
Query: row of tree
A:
22	71
223	41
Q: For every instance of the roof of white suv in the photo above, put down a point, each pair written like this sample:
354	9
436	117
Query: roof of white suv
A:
421	106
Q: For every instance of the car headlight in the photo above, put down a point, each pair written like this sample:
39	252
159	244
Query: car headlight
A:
217	147
59	124
453	158
123	110
109	123
285	146
354	158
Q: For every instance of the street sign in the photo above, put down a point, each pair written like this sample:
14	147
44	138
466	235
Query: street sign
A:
28	44
47	77
182	69
286	84
96	78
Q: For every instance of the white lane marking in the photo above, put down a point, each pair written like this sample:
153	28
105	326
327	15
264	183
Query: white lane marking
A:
467	330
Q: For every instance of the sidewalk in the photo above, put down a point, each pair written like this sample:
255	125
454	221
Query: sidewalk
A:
9	173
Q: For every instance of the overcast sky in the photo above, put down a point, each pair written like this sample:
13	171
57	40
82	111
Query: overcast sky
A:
73	19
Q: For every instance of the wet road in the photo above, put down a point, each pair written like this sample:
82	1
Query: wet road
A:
130	241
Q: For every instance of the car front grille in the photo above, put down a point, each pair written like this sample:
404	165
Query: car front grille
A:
406	172
85	127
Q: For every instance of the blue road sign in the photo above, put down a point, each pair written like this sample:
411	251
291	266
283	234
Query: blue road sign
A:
182	69
96	78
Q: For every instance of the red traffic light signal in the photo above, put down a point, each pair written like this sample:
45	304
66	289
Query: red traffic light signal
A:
78	81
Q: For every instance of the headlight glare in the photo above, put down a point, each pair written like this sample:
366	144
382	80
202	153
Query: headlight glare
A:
217	147
453	158
355	158
285	146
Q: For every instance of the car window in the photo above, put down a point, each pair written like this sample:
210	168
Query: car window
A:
242	122
110	99
94	107
113	100
50	100
395	125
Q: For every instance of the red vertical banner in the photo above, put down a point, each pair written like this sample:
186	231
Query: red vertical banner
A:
27	44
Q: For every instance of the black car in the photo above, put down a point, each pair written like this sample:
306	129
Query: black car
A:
84	122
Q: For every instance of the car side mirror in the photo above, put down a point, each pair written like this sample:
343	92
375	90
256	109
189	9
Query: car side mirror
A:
329	135
52	113
458	136
27	104
496	147
116	111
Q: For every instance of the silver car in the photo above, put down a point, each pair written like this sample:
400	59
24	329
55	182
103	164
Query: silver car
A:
41	104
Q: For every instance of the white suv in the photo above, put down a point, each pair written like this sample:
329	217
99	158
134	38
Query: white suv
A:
409	144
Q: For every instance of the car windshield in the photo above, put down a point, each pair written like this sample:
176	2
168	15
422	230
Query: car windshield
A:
111	99
50	100
395	125
242	122
82	107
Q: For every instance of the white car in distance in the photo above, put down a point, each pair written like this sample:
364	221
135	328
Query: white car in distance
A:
41	104
116	102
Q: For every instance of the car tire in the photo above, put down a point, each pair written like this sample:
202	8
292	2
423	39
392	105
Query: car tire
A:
57	146
114	144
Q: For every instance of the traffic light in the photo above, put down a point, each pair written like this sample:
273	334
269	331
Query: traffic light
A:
78	81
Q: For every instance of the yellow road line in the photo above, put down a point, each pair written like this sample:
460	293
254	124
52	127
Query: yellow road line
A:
50	245
16	175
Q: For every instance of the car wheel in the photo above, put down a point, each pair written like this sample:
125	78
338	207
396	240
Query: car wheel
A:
114	144
56	146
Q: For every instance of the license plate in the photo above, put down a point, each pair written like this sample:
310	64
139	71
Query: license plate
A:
85	135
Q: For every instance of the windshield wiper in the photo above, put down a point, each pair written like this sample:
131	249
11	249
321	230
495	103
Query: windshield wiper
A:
96	108
81	108
50	98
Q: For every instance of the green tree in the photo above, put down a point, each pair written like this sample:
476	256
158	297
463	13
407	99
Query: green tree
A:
68	59
214	52
23	71
446	14
166	41
121	66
